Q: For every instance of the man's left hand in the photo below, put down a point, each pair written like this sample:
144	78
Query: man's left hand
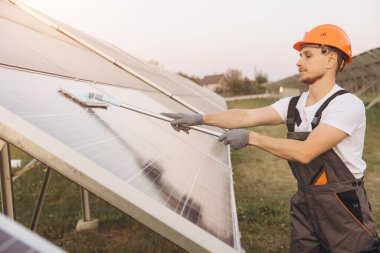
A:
237	138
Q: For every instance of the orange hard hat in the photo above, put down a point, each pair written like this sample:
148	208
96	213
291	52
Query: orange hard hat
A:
327	35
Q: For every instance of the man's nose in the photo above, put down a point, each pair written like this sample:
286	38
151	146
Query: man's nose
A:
299	62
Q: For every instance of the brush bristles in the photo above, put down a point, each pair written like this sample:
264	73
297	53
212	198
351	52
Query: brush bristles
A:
84	102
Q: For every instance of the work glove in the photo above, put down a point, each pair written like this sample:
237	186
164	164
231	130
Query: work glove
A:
181	120
237	138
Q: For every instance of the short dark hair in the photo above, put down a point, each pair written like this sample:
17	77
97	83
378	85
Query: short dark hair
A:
342	58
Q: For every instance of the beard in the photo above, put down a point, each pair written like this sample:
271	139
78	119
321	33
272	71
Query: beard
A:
311	80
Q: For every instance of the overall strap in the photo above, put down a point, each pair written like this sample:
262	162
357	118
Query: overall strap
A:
318	114
293	114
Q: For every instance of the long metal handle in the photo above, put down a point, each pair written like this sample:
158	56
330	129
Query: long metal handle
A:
167	119
148	113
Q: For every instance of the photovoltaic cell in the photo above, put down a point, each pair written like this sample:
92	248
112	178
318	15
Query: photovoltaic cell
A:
183	173
12	50
164	79
24	47
47	52
189	88
15	15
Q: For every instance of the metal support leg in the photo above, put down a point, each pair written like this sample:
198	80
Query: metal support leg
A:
86	223
6	183
85	205
40	201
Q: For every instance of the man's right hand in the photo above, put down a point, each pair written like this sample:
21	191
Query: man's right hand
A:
181	120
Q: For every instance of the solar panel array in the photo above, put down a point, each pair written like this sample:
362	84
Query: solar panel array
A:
361	77
178	185
203	98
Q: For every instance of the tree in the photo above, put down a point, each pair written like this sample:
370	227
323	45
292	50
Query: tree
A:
247	86
233	83
260	77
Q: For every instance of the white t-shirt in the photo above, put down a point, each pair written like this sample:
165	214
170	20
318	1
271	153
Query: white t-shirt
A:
345	112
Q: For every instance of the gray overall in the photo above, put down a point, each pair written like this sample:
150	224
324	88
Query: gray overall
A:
330	211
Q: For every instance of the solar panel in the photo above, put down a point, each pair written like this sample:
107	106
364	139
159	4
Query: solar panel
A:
55	55
9	12
14	238
184	183
23	45
201	98
178	185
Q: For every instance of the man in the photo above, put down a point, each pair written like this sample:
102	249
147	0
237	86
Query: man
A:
326	125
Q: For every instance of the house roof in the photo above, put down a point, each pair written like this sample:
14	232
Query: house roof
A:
211	79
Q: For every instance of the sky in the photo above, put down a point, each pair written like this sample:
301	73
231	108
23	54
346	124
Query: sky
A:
205	37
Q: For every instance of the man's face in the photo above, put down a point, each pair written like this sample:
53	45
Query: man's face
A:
311	65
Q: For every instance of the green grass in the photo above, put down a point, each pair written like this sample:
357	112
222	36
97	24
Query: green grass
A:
117	231
263	187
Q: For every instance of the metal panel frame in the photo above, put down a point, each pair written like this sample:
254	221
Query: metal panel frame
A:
85	204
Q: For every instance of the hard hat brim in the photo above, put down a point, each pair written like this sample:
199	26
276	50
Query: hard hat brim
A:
297	46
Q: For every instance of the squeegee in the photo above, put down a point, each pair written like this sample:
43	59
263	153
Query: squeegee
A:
93	100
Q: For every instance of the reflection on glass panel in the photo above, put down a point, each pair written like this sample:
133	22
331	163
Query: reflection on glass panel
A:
201	103
211	97
58	57
164	79
167	83
187	174
16	53
157	103
9	12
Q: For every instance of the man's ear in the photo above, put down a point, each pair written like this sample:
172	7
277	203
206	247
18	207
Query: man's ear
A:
332	60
